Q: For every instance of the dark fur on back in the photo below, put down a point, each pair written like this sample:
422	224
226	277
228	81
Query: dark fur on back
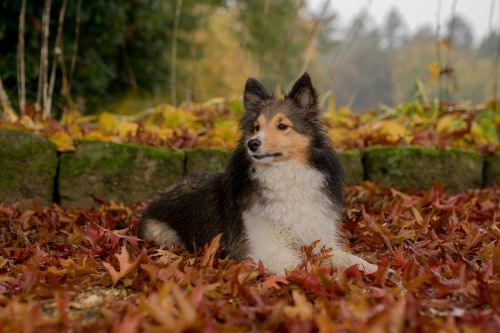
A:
200	207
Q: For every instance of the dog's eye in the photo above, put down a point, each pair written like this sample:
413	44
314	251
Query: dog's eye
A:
282	127
257	128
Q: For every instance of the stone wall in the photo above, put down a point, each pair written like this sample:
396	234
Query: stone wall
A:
32	171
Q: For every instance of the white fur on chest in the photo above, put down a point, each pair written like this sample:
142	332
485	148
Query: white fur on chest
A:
294	212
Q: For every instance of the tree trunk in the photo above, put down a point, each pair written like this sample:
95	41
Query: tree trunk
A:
75	45
41	95
21	71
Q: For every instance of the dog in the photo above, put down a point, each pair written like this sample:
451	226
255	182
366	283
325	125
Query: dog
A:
282	189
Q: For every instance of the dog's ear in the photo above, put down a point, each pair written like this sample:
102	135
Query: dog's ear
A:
253	95
304	94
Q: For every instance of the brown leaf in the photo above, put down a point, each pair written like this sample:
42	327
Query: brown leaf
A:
126	266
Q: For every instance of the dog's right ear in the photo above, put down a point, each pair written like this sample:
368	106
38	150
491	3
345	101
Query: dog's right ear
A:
253	95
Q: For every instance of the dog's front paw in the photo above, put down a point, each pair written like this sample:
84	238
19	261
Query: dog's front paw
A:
279	262
368	268
345	260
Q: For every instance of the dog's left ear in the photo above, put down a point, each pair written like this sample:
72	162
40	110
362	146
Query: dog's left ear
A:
304	94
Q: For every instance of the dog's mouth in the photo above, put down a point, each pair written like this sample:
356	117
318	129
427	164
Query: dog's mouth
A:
262	156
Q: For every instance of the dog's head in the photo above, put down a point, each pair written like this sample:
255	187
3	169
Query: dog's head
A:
276	130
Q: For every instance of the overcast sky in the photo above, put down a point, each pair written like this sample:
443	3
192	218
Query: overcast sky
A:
417	12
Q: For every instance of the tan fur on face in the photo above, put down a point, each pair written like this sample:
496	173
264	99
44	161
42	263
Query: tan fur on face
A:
290	143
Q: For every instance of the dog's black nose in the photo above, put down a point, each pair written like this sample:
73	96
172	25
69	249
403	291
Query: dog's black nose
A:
253	145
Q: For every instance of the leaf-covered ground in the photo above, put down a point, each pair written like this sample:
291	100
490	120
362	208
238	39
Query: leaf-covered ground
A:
215	124
83	270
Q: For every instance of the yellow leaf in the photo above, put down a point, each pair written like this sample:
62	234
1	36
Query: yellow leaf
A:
174	118
478	133
74	131
28	123
162	133
62	141
446	43
342	135
434	71
107	121
443	123
69	118
96	135
331	105
124	128
345	111
391	129
213	101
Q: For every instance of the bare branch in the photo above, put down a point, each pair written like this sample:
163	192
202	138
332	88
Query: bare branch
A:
75	44
497	58
447	71
438	48
44	54
58	51
353	34
316	28
130	70
8	111
173	58
21	71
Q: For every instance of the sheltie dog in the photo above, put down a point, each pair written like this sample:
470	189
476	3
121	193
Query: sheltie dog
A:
281	190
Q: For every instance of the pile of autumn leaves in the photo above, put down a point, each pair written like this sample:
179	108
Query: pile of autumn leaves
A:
84	270
215	124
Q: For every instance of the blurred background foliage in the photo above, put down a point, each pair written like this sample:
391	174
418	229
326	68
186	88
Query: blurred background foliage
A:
125	53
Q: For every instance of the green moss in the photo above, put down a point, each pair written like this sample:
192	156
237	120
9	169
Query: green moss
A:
28	165
161	154
414	167
122	172
353	168
206	160
492	170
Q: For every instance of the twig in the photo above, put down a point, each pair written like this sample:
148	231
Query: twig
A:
21	72
75	44
497	58
448	72
490	18
65	89
173	59
58	50
197	13
438	49
130	70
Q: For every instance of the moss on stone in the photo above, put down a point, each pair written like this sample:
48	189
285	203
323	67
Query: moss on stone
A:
120	172
206	160
414	167
28	165
492	170
353	168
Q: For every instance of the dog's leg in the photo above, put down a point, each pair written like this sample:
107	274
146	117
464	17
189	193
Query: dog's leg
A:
272	247
278	260
345	259
340	256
